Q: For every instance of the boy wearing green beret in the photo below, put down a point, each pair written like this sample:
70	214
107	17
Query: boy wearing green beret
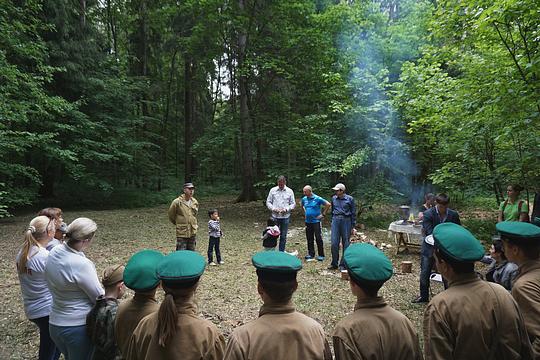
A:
374	330
280	332
175	331
472	319
521	243
140	276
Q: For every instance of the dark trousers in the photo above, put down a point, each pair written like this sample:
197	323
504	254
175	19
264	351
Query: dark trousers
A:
47	347
213	243
313	232
427	261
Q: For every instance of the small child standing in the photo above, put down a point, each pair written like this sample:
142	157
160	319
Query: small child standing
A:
214	234
100	320
270	235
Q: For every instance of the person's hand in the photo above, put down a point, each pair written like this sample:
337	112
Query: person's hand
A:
320	217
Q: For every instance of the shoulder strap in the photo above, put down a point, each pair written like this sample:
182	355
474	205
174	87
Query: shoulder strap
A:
504	207
520	204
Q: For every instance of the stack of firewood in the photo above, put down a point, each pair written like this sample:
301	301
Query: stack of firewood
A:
360	237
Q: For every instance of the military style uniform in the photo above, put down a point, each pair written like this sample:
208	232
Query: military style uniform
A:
526	292
100	329
526	288
140	276
183	214
472	319
195	338
128	316
280	332
300	336
374	330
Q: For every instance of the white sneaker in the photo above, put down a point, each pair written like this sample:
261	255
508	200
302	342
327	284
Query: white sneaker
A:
221	262
212	264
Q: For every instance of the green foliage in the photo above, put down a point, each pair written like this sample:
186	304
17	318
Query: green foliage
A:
123	96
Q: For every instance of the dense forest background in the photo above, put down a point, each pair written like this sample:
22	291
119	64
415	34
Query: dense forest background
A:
133	97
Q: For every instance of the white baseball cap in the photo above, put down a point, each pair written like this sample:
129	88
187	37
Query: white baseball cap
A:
339	186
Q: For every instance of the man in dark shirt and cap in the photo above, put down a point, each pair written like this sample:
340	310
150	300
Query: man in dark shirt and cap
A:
343	222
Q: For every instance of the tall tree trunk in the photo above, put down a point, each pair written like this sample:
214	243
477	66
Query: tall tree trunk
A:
246	130
188	119
112	28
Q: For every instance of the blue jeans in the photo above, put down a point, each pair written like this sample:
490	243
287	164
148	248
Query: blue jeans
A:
47	348
341	232
72	341
283	225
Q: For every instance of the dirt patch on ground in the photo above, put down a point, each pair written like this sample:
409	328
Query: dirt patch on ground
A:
227	294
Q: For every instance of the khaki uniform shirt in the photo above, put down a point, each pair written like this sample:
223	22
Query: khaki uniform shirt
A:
474	319
376	331
526	292
128	315
281	333
195	338
184	216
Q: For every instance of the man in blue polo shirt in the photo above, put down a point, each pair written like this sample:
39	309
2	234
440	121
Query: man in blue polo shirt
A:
311	204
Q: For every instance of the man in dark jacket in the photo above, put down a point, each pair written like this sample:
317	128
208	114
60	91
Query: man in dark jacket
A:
438	214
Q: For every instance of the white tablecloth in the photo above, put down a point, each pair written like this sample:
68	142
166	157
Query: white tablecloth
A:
410	229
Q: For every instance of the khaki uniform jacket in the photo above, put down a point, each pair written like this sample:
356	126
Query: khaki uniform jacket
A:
376	331
195	338
184	216
526	292
474	319
128	316
281	333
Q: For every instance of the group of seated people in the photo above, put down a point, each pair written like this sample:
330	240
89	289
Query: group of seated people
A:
80	316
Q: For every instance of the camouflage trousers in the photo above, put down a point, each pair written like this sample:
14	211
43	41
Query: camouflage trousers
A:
186	243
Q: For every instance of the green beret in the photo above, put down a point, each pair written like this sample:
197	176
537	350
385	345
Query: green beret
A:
367	263
140	272
276	265
457	243
515	230
183	266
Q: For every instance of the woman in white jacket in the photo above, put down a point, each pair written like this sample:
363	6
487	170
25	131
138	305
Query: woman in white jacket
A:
74	286
37	299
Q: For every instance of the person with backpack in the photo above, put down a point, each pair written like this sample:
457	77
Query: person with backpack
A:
100	320
513	209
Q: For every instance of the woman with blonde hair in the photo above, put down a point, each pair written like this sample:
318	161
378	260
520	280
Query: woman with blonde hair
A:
37	299
74	286
175	331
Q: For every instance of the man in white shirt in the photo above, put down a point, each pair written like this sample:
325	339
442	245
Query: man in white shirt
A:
280	202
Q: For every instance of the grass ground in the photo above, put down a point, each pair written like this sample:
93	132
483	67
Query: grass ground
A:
227	294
